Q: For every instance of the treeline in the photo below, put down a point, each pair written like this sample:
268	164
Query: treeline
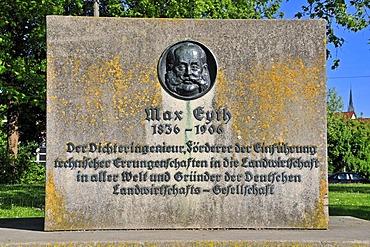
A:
23	55
348	139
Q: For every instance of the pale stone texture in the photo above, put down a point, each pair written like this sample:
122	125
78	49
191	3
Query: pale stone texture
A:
102	75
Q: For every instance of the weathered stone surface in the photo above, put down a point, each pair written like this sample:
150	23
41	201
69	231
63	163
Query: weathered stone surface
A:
259	163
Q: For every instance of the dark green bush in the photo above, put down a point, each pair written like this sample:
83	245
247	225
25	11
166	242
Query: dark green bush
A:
22	168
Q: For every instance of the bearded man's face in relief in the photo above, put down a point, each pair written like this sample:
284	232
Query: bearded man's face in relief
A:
189	75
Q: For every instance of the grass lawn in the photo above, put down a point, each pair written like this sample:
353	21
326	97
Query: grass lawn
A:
24	201
350	200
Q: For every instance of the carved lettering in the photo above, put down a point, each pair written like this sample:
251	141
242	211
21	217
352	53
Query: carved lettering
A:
155	114
219	114
247	169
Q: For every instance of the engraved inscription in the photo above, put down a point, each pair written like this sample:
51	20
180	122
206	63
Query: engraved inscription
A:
133	169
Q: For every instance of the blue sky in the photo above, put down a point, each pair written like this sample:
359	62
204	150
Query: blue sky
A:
354	68
353	72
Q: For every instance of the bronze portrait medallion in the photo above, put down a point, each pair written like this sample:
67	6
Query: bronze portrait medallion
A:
187	70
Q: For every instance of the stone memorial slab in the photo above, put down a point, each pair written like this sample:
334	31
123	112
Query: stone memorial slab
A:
183	124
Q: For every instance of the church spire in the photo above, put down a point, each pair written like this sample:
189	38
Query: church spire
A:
350	105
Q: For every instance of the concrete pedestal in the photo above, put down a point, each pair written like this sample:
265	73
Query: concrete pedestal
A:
343	231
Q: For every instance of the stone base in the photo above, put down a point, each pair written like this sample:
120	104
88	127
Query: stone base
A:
343	231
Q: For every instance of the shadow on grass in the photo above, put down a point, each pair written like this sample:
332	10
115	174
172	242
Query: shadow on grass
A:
31	224
362	212
350	188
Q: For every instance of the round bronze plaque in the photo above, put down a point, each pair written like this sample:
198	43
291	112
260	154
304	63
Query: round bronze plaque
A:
187	70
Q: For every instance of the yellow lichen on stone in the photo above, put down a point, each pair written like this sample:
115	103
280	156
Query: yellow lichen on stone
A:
55	207
223	90
264	94
54	201
51	72
106	91
318	219
56	212
129	97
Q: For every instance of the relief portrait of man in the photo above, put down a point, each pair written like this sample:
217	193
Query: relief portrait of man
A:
187	72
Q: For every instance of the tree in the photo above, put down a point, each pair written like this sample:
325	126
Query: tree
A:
351	15
336	131
220	9
334	102
22	63
348	139
23	48
358	159
23	42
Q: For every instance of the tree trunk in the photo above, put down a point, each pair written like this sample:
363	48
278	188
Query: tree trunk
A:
13	128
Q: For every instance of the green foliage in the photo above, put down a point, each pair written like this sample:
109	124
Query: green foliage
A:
348	139
23	45
23	62
22	168
338	147
348	145
218	9
358	159
333	101
336	133
23	70
351	15
3	136
34	173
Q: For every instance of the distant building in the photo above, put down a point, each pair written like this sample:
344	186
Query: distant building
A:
41	155
350	113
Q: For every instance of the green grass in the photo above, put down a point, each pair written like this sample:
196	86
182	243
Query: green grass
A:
25	201
350	200
22	201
